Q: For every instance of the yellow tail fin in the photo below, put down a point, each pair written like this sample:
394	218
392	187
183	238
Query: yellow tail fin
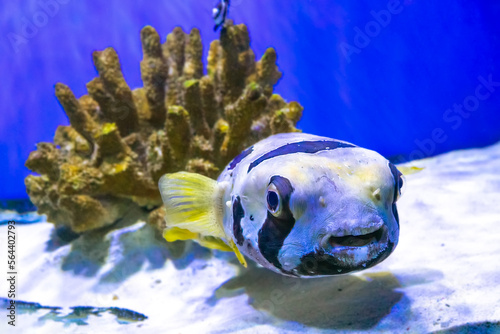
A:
193	205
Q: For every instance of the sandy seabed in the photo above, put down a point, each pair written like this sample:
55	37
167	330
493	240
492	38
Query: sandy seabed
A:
444	276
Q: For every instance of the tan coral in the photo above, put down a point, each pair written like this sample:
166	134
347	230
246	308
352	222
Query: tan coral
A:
121	141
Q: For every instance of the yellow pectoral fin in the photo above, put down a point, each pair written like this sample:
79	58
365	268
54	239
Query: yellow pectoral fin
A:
175	233
214	243
408	170
239	256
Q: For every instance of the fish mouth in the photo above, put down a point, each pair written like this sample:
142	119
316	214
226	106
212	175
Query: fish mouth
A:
345	254
357	240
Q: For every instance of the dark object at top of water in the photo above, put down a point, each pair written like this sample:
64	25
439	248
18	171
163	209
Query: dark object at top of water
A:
219	13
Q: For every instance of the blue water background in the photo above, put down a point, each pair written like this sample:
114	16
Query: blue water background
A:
390	94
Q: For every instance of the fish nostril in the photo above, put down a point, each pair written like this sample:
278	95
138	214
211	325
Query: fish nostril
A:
355	240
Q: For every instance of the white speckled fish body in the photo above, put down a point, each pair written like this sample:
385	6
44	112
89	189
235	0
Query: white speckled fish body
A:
304	205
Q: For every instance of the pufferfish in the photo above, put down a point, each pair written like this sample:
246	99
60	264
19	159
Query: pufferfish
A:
298	204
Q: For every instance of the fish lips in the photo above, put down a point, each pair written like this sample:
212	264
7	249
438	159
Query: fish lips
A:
342	255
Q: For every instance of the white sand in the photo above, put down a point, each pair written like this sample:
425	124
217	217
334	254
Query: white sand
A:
444	273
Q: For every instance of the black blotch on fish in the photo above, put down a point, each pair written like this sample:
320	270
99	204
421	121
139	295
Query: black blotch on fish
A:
275	229
300	147
320	263
396	174
240	157
238	214
395	212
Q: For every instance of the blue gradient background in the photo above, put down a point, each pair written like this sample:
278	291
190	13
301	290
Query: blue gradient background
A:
388	97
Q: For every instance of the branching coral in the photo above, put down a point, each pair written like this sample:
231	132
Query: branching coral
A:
121	141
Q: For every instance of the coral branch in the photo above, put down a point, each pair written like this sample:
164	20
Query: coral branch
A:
239	115
268	73
154	73
178	131
194	105
121	110
45	160
193	68
79	119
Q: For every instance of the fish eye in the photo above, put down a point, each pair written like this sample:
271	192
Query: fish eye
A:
273	200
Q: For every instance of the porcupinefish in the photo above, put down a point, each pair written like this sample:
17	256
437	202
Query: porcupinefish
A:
298	204
219	13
